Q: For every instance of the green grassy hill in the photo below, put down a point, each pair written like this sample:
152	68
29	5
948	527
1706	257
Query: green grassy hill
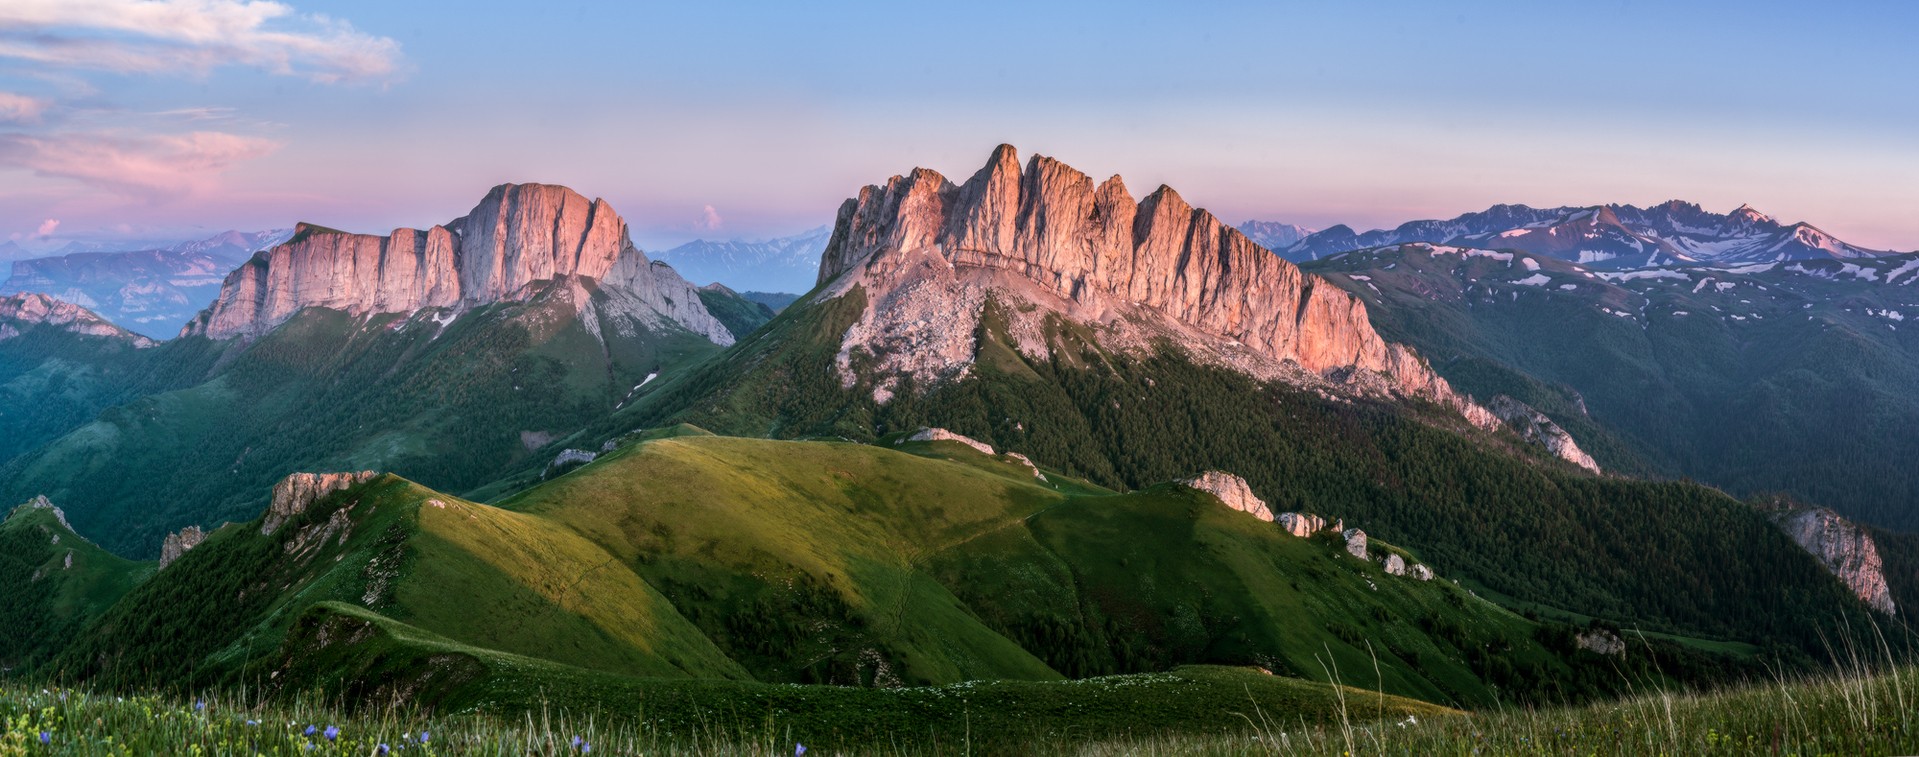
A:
53	583
693	557
1488	509
447	401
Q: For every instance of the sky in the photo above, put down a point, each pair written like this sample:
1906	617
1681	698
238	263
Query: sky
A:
124	120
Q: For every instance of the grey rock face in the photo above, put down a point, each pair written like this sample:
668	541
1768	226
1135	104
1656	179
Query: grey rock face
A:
1535	427
31	308
940	434
1844	548
1601	642
1395	565
177	544
1355	542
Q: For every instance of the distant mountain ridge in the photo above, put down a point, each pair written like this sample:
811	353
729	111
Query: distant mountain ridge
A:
1613	237
781	264
147	290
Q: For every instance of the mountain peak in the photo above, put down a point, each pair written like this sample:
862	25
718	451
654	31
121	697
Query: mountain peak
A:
28	309
929	255
519	235
1748	214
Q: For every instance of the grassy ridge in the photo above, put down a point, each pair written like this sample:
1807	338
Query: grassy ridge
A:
52	584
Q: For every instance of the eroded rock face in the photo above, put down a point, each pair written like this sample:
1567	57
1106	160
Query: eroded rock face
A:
1844	548
1355	542
1303	525
1535	427
1420	572
177	544
33	308
1395	565
929	255
519	235
295	492
1231	490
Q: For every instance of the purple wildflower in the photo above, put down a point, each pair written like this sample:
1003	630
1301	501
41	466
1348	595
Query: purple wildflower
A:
799	750
332	732
46	738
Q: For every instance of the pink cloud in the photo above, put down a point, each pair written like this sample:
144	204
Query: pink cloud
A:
20	109
710	219
150	167
47	227
160	36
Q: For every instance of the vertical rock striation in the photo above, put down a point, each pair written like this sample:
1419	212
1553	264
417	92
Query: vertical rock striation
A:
1846	550
519	235
928	253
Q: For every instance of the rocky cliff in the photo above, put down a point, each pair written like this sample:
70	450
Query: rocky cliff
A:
929	254
518	236
1535	427
1231	490
176	545
1843	547
21	311
295	492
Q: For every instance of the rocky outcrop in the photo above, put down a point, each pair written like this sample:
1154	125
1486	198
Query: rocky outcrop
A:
1535	427
40	502
567	460
943	435
1355	542
929	255
296	492
1300	524
1420	572
1601	641
1231	490
518	236
1394	564
1844	548
26	309
177	544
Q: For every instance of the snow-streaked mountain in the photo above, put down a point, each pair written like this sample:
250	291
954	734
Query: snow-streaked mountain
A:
783	264
1274	235
148	291
1615	237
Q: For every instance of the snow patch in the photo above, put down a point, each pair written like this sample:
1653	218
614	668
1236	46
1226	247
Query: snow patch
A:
1537	279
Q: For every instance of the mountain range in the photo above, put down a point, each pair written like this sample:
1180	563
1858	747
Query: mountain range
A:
1024	426
781	264
150	291
1613	237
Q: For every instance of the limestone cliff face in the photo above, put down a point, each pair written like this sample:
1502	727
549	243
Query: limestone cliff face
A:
929	253
296	492
30	308
1535	427
519	235
176	545
1844	548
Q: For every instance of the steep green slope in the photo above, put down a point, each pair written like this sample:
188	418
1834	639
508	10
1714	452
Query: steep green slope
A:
448	403
53	380
1487	509
464	574
1757	378
739	314
52	583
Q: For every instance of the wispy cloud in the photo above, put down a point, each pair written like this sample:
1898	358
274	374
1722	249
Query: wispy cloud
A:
194	36
710	219
150	167
20	109
47	228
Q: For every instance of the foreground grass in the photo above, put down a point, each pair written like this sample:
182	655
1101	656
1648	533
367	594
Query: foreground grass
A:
1839	713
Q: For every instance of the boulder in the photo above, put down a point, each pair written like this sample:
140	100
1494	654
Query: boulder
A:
1231	490
1420	572
1395	565
1355	542
1300	524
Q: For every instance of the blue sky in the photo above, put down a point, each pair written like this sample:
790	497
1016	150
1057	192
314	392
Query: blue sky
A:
743	120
